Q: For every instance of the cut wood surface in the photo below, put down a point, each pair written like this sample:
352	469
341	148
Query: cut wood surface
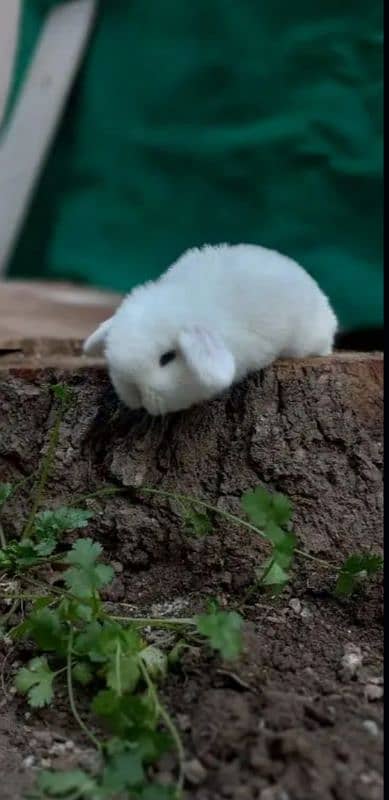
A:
51	310
311	429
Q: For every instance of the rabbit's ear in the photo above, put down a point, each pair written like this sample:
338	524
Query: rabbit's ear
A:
207	356
94	344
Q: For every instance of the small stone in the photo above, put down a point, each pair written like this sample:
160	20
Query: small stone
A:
274	793
69	744
306	613
351	661
90	760
226	579
164	777
243	793
46	763
117	566
295	605
43	737
194	771
57	749
29	761
369	778
373	692
184	722
371	727
378	680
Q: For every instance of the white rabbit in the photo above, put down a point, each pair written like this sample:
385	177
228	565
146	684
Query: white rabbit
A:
216	315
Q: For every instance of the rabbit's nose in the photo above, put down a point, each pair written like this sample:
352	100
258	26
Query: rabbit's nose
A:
152	402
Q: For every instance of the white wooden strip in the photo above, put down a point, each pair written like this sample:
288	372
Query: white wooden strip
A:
37	113
9	27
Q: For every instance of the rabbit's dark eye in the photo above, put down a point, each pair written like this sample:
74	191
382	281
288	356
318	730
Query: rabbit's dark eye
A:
166	358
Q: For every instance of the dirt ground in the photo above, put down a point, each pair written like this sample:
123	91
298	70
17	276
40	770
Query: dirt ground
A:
295	719
299	717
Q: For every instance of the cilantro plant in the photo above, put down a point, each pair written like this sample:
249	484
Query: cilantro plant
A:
81	646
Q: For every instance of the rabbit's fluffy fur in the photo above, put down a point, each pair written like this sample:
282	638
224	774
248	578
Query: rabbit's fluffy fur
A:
216	315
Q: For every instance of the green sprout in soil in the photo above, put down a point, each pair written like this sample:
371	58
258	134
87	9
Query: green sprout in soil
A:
82	647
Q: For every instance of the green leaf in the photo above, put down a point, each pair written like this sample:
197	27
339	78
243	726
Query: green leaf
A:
223	629
157	791
119	647
86	577
274	533
84	553
130	716
73	610
88	643
105	703
123	672
17	556
49	525
257	504
281	509
283	552
197	522
63	393
100	642
46	547
5	562
36	681
355	570
124	771
60	520
82	673
47	630
345	584
24	627
363	562
6	490
274	575
263	507
59	784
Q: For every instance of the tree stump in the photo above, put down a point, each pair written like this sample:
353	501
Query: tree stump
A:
287	719
311	429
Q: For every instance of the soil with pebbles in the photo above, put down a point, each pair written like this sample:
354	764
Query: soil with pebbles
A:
298	717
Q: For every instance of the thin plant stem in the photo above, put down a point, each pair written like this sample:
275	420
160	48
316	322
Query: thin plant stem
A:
3	540
117	669
72	702
169	724
145	622
44	472
183	498
232	518
5	617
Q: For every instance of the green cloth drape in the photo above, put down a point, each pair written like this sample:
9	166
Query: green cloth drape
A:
216	121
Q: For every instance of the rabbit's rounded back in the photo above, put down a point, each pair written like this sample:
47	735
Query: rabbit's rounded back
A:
217	314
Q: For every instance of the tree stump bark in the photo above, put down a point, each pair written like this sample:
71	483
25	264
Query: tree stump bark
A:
311	429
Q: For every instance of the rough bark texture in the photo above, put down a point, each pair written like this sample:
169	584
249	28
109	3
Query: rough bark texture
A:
311	429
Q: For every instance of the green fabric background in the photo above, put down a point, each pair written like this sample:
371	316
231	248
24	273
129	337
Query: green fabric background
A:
213	121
